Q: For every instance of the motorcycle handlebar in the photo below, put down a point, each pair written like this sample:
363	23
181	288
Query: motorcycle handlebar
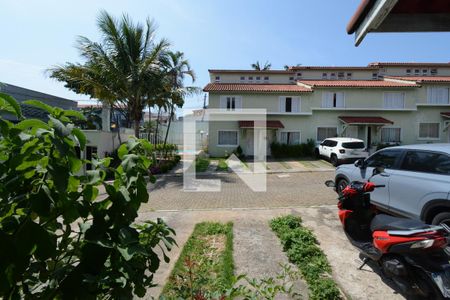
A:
380	185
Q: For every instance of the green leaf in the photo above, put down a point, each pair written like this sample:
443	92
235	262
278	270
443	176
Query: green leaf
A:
10	104
59	127
74	113
80	137
122	151
32	123
128	235
75	164
40	105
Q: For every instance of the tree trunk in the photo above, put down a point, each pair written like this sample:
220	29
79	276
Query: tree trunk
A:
167	130
157	126
149	123
137	126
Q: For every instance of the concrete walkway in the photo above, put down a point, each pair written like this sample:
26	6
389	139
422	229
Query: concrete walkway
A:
257	251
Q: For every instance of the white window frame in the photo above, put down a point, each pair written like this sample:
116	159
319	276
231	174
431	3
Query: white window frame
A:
290	131
390	127
250	80
224	99
428	138
282	104
217	78
266	78
242	79
429	92
400	93
317	131
227	130
332	107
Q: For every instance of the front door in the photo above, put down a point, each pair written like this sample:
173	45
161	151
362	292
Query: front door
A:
249	142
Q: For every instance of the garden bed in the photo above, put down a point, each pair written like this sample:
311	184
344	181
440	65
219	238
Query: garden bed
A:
205	266
302	249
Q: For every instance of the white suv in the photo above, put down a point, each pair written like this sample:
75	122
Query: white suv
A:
342	150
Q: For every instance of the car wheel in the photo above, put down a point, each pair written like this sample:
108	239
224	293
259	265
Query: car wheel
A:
443	217
317	153
340	185
334	160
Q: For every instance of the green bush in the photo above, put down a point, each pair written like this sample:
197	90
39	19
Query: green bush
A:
58	240
301	248
293	151
201	164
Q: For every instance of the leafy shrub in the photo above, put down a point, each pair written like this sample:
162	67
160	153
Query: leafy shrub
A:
57	239
386	145
293	151
201	164
301	248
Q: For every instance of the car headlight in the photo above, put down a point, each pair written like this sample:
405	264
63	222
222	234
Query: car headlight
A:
422	244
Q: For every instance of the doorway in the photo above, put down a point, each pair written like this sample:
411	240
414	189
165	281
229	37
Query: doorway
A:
369	137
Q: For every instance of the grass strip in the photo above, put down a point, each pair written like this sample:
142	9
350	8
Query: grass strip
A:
302	249
201	164
222	165
205	267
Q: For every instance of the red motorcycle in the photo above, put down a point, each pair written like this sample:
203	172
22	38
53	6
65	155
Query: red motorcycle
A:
409	252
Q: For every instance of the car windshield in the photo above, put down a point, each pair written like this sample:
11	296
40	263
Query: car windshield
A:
353	145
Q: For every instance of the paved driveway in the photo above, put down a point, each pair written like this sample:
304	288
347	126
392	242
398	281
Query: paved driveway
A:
283	190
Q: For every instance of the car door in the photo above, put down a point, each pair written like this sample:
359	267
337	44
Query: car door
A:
324	146
389	160
421	177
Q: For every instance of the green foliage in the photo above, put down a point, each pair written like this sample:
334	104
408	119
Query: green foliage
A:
205	267
301	248
386	145
293	151
222	165
58	240
201	164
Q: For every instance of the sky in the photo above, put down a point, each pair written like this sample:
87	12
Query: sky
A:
213	34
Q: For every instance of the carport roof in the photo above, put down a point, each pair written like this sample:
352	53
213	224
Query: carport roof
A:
365	120
446	114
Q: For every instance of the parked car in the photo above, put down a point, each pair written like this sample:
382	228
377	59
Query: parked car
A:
417	179
341	150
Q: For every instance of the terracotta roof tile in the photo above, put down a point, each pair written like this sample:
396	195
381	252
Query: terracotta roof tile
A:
420	79
364	120
245	87
355	83
409	64
445	114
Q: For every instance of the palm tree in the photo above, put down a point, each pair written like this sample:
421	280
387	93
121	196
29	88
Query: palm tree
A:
257	66
124	69
177	68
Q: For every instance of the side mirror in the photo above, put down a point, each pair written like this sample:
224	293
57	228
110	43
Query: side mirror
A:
360	163
330	183
378	170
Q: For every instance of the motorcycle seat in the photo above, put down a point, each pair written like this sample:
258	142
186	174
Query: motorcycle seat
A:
386	222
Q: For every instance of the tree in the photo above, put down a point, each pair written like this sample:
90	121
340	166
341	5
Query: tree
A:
257	66
124	69
177	68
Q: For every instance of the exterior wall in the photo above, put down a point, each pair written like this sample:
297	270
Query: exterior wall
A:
106	142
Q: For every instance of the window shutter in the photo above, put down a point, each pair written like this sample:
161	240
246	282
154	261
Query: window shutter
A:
296	104
238	102
282	104
327	99
295	138
340	99
283	137
223	102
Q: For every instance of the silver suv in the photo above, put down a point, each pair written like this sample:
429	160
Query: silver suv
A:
417	179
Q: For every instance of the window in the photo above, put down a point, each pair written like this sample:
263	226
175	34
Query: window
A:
394	100
324	75
299	75
416	72
424	161
258	78
266	78
228	138
326	132
250	78
437	95
429	130
333	76
408	71
333	99
91	152
290	104
374	75
390	135
353	145
217	79
242	78
341	75
385	158
349	75
433	71
230	102
291	78
290	137
425	72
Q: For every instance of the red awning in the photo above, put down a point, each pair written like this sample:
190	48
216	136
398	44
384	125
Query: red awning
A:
445	114
269	124
365	120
